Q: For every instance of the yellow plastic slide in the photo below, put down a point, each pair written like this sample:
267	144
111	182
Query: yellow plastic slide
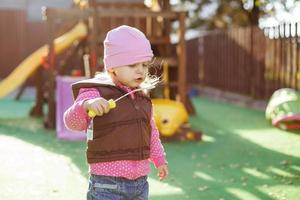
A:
32	62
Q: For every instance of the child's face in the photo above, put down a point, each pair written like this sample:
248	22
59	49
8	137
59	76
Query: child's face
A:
131	75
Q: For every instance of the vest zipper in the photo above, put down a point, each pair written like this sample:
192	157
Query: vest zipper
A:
137	109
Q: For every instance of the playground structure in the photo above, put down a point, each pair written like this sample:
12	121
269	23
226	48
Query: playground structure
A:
100	17
90	21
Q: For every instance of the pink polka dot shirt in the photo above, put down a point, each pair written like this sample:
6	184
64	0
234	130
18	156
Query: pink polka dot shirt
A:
76	119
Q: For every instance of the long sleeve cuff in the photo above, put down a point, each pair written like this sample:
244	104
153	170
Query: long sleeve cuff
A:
159	161
80	108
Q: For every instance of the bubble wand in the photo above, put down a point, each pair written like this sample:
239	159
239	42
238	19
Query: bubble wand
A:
112	103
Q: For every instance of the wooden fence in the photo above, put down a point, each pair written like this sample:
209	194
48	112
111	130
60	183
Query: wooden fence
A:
282	57
18	38
232	61
248	61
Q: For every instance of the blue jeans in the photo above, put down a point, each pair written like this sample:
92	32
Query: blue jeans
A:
117	188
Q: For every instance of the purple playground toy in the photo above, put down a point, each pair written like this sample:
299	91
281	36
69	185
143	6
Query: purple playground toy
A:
63	101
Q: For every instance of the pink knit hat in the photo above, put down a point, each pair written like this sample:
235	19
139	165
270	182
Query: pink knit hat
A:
126	45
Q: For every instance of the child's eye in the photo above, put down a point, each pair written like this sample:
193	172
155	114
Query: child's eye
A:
135	65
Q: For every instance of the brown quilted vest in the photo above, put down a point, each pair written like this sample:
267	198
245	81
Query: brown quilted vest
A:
124	132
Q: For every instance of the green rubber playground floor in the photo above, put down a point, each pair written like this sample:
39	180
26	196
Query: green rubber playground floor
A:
241	157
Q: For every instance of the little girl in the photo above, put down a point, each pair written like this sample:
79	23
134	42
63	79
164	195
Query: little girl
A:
123	139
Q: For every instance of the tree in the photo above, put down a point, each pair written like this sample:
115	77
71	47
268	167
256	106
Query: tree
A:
230	13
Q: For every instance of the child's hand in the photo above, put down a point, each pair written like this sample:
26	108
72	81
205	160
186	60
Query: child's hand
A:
99	105
162	172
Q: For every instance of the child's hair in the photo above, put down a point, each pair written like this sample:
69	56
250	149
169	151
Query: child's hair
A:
151	77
